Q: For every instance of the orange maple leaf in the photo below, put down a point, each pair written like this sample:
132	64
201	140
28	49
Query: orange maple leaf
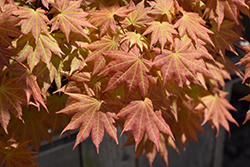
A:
33	53
141	118
34	21
246	61
163	7
160	31
105	44
105	16
224	38
5	56
131	68
8	27
11	98
228	8
216	110
186	127
89	116
30	87
135	39
138	17
68	16
181	63
192	25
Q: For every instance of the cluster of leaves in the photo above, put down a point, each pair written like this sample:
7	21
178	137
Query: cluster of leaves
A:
155	68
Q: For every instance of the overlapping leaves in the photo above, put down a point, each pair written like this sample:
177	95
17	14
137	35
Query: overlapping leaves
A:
136	64
89	116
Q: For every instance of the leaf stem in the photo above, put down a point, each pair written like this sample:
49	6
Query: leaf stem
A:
120	25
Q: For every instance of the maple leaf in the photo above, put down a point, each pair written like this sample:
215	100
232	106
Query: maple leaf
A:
180	64
229	66
246	61
140	118
105	16
75	59
146	146
11	98
8	27
224	38
248	112
34	21
30	87
105	44
216	110
135	39
161	31
163	7
219	72
77	83
228	8
3	2
130	68
89	116
69	17
33	53
34	129
16	154
186	127
193	25
5	55
138	17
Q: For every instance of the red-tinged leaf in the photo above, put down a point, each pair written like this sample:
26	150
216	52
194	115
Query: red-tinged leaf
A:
246	61
202	50
33	53
105	44
229	66
216	110
11	98
89	116
135	39
16	154
163	7
141	119
219	74
101	46
224	38
227	8
30	87
68	16
33	129
247	98
5	56
160	31
34	21
104	18
247	117
138	17
75	59
193	25
146	146
186	127
8	27
180	64
3	2
164	142
131	68
77	83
